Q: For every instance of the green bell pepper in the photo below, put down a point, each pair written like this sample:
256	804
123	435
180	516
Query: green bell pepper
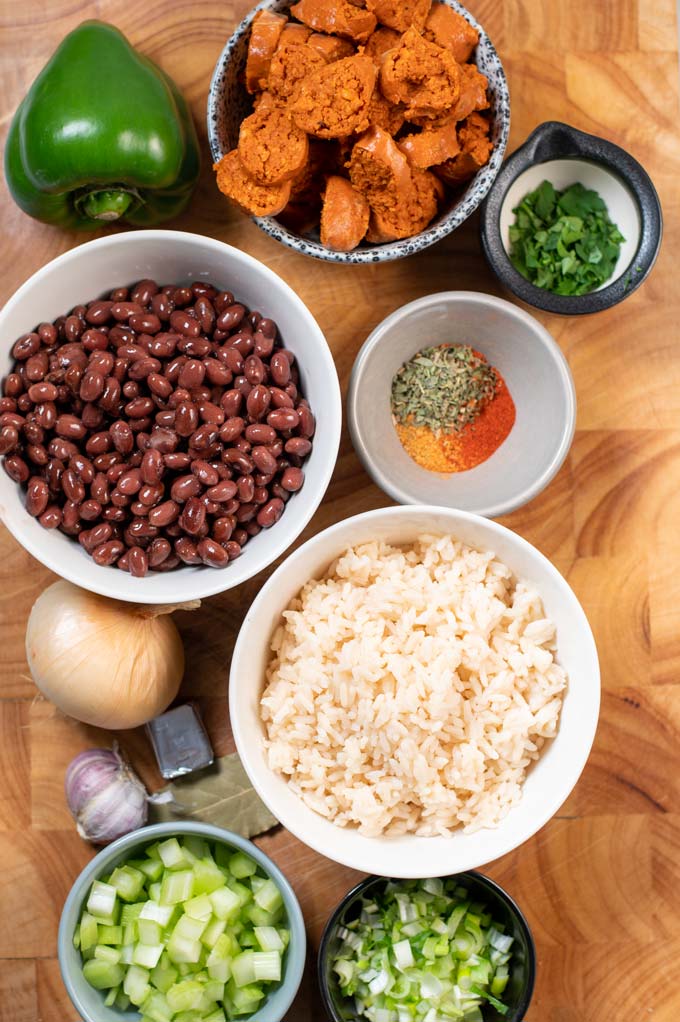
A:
102	135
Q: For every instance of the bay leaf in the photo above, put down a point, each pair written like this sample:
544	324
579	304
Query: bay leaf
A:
221	795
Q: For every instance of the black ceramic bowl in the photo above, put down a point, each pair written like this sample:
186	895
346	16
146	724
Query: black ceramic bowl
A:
563	155
523	962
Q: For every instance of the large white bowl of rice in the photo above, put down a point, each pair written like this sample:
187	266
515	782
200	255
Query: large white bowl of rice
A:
415	691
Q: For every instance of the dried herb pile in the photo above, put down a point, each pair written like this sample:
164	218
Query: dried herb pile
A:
444	388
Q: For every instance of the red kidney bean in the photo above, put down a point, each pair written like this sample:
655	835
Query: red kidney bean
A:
257	402
143	292
139	407
7	404
37	367
51	517
12	419
212	553
73	328
307	421
222	491
98	313
37	496
150	495
70	427
90	510
246	489
260	433
204	472
279	367
39	392
94	537
83	468
137	562
121	436
283	419
186	418
191	374
108	553
187	551
231	403
121	311
92	386
163	514
254	370
159	384
229	316
163	440
48	334
92	417
218	373
37	453
240	536
177	461
144	322
103	462
239	460
152	467
264	460
298	446
9	439
130	482
292	479
211	413
183	324
72	486
185	487
26	346
157	551
263	346
280	399
270	513
193	516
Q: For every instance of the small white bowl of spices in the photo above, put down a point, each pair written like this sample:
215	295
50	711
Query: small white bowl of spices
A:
463	400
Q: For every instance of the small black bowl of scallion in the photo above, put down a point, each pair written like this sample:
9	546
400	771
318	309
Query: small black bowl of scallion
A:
453	947
573	223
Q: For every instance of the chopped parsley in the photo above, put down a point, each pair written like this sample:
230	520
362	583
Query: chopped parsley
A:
564	241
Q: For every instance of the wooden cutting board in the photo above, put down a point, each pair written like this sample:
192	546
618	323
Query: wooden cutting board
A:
599	883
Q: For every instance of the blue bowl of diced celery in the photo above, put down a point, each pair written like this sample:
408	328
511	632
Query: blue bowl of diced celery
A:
181	922
449	949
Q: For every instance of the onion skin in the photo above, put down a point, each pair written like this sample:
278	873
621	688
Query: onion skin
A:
101	661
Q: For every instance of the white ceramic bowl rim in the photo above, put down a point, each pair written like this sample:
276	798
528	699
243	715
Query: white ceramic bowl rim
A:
422	857
390	484
200	582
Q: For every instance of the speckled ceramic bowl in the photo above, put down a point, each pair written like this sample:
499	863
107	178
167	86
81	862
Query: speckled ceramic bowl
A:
229	103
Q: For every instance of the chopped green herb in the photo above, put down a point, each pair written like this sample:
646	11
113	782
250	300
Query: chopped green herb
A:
564	241
443	388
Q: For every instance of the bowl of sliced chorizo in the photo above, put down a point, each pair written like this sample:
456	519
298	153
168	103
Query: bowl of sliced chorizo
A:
358	132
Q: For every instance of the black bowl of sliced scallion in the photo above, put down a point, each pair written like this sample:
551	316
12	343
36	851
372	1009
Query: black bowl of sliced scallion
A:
449	948
573	223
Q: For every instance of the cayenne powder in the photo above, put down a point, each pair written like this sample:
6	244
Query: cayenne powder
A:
451	409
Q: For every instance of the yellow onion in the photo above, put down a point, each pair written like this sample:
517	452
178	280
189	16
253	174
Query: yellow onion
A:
104	662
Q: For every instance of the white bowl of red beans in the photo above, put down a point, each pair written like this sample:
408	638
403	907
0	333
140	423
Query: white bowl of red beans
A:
169	416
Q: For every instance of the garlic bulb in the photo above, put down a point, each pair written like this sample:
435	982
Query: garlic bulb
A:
105	796
104	662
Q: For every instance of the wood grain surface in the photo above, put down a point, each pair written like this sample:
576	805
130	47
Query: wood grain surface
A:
599	883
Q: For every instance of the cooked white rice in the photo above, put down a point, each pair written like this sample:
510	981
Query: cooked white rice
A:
411	688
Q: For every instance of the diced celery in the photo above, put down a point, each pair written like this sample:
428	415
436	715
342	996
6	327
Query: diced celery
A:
247	939
130	933
243	969
215	1016
284	935
103	975
225	903
256	883
126	953
110	934
110	998
183	950
151	868
267	965
102	900
207	876
177	887
122	1001
269	896
136	984
245	999
197	846
130	913
161	914
188	927
185	995
268	938
212	932
149	931
225	948
147	955
157	1008
213	989
151	851
199	908
163	976
172	855
220	970
107	954
88	931
245	894
241	865
258	916
128	882
155	891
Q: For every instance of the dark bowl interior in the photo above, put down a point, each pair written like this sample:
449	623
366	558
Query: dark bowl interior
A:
523	962
553	141
229	104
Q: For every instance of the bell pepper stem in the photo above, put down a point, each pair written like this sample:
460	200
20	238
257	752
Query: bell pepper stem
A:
106	205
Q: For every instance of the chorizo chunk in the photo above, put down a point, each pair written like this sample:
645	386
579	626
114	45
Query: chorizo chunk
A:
330	47
475	150
400	14
431	145
333	101
379	170
344	215
234	181
290	65
421	75
336	17
384	114
417	208
449	29
293	33
264	38
379	42
271	147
